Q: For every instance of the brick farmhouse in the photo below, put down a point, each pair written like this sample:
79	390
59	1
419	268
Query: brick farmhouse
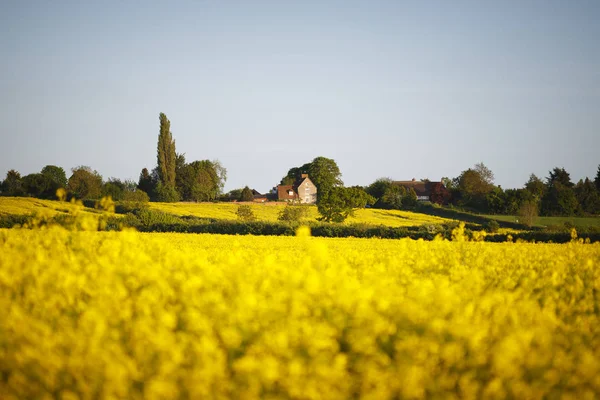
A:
303	191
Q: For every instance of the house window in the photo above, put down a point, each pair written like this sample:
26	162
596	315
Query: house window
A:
290	192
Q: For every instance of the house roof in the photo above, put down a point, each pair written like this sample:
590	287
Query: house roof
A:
421	188
283	190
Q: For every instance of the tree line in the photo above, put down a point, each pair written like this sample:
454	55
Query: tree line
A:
556	195
173	179
474	190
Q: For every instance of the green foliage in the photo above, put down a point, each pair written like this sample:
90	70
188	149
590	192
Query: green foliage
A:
508	201
246	194
137	195
149	217
293	213
561	176
410	199
473	187
339	203
10	221
113	188
146	183
587	197
528	212
166	156
485	173
492	226
85	183
201	180
559	198
54	178
12	184
34	185
42	185
535	186
245	213
597	179
377	189
167	194
392	197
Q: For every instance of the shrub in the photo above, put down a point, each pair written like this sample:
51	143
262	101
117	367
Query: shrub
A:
167	194
292	213
492	226
245	213
528	212
152	217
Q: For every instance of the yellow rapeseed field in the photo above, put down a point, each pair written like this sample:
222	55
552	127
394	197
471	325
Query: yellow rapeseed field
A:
270	211
42	208
127	315
219	211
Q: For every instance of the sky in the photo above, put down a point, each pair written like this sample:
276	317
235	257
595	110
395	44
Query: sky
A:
399	89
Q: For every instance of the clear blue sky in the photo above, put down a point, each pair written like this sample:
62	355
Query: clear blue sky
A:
386	88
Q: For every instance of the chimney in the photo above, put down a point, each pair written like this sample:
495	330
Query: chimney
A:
304	176
413	179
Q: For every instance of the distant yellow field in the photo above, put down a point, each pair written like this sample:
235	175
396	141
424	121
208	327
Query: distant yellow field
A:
47	208
269	212
223	211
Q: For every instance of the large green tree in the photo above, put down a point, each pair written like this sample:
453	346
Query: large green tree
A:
378	188
597	179
559	199
201	180
587	196
536	187
54	178
485	173
85	183
12	184
323	172
559	175
166	159
339	203
473	185
35	185
146	183
246	194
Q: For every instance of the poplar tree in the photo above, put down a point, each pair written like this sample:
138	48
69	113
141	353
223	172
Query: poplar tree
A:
166	153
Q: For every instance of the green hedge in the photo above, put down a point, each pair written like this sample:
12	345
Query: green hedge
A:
145	220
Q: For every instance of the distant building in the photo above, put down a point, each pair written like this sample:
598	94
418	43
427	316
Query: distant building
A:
303	191
257	197
435	192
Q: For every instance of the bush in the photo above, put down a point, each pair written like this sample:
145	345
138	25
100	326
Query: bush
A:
528	213
132	201
153	217
492	226
167	194
292	213
245	213
85	183
8	221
